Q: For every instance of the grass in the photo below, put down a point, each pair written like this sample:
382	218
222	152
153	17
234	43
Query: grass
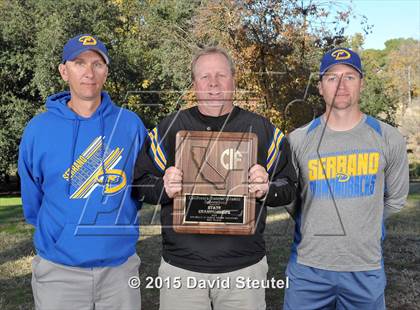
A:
401	248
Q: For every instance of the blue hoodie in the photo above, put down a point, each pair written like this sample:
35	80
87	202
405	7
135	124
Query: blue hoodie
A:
82	216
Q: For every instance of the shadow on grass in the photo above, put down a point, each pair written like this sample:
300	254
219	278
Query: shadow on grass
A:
278	237
19	250
402	256
11	214
401	249
150	250
16	293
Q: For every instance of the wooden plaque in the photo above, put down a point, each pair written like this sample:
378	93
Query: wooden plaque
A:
215	197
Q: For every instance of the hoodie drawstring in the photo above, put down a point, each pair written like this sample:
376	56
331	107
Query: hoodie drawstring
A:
76	124
104	175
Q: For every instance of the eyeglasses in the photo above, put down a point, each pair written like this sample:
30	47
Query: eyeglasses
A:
335	78
97	66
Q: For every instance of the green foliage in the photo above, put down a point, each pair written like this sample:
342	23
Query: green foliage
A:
386	78
166	53
17	95
15	113
276	44
56	22
375	99
356	41
415	171
32	34
394	44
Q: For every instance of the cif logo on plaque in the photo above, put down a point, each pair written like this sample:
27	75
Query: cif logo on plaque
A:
231	159
215	197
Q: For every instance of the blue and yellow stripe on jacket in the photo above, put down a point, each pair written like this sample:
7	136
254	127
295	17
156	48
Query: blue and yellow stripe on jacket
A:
156	151
274	149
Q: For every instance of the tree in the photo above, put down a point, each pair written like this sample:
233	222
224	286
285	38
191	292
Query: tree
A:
142	63
277	45
17	94
403	69
166	28
392	78
375	99
32	36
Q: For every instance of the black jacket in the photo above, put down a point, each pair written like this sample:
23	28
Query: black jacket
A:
213	253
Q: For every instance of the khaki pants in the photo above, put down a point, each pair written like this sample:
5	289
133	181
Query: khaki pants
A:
184	290
60	287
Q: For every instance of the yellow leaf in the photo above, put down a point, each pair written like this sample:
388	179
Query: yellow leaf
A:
145	84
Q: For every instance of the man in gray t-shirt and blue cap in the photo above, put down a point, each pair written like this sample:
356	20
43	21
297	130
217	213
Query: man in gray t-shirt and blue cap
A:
353	173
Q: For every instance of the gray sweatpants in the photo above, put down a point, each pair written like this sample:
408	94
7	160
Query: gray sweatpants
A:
187	290
62	287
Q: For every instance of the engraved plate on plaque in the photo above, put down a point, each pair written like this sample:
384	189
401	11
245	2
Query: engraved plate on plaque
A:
215	197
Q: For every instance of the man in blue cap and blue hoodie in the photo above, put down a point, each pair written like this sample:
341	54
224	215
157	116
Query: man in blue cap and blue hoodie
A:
76	165
353	173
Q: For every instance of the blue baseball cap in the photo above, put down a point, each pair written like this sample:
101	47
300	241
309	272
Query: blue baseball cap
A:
340	55
81	43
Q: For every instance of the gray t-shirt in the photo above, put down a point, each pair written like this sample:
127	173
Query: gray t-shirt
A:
347	187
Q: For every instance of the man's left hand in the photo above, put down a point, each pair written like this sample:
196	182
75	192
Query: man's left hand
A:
258	181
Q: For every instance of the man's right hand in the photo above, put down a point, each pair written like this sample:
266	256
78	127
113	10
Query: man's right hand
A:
172	181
